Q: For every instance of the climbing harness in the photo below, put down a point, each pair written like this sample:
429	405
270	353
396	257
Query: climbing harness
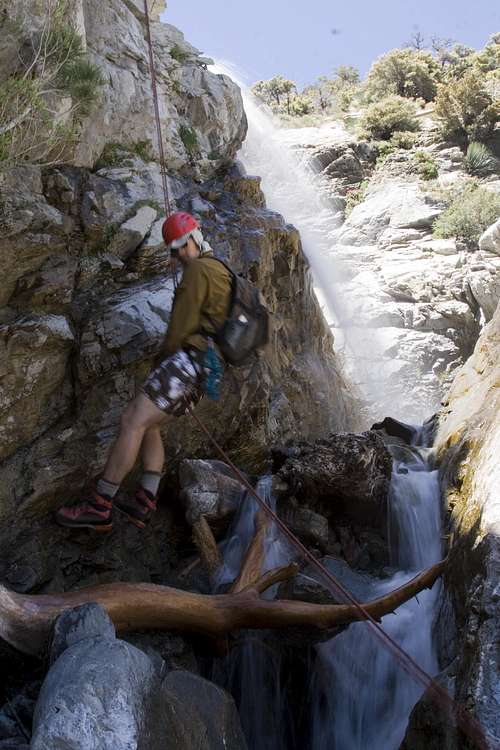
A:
467	723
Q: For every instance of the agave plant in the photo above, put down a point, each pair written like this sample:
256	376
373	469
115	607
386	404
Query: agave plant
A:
479	160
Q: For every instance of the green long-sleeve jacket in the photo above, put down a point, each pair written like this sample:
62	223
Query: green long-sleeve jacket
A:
201	302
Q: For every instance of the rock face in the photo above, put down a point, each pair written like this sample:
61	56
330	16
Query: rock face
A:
210	489
91	357
102	694
467	441
386	212
34	391
202	114
422	299
407	307
490	239
345	474
86	292
333	495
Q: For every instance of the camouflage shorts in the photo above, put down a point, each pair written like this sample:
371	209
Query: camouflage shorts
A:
177	383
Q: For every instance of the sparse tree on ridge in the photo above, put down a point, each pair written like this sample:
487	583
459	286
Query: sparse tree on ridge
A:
347	74
488	59
456	60
275	91
417	41
438	44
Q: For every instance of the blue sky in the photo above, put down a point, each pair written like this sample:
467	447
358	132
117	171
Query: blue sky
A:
302	39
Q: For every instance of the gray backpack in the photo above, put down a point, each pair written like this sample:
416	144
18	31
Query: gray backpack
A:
247	324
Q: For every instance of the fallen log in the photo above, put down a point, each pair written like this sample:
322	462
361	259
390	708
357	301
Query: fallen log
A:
26	620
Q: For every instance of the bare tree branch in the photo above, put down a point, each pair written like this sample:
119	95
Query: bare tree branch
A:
26	621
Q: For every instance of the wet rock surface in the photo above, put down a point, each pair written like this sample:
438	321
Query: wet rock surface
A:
343	475
467	441
16	718
210	489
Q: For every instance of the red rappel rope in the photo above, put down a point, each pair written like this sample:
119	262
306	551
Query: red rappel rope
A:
465	721
152	68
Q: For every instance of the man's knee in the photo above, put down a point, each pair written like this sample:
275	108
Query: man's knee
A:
133	418
154	432
141	414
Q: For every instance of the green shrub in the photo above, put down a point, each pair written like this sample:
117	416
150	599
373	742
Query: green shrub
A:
300	105
189	138
479	160
405	72
424	165
384	118
488	59
455	61
471	210
384	148
62	42
276	92
355	196
403	139
109	232
178	54
118	154
143	149
465	110
158	207
82	80
301	121
112	155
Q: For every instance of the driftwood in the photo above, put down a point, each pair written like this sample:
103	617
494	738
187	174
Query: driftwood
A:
26	620
206	544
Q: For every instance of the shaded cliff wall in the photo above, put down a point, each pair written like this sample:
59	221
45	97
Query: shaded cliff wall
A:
85	291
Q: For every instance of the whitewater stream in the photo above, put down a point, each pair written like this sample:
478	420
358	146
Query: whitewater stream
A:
357	695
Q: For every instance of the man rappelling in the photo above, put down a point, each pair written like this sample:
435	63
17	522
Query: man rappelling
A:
188	355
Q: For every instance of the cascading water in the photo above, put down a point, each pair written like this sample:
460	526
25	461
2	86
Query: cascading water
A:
360	696
354	308
251	672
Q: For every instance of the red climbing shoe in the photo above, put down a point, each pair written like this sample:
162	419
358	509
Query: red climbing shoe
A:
92	514
138	509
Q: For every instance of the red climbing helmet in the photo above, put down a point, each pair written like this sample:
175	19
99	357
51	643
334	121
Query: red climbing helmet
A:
177	229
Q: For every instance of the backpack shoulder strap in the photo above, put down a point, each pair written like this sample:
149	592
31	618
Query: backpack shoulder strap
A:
232	296
212	257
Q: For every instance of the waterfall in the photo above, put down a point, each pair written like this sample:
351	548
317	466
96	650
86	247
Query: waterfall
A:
360	696
353	303
252	670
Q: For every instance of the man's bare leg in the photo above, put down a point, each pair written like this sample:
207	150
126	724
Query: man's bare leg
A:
140	416
152	450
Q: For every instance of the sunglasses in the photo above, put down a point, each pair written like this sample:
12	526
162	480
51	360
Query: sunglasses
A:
175	250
